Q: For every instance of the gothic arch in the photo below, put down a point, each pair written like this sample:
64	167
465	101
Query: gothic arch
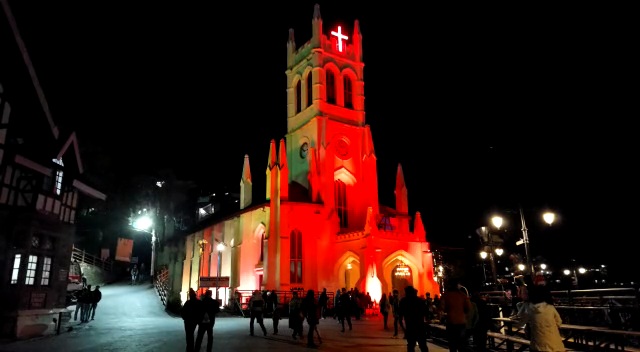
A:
307	90
337	84
260	230
259	236
348	71
296	85
345	176
389	263
351	276
349	88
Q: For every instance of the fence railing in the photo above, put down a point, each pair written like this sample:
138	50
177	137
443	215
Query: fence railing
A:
81	256
616	308
162	285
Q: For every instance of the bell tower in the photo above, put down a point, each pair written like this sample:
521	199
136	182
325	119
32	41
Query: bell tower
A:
329	146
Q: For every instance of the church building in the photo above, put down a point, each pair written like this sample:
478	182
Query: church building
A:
322	225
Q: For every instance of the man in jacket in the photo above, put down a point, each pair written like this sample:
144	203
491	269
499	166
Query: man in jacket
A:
96	296
256	307
455	304
414	312
210	307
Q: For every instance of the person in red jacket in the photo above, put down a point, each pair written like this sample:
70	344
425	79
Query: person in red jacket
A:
455	304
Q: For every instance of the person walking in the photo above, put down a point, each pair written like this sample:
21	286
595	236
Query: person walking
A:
96	296
395	310
275	310
485	321
295	315
190	313
344	309
256	310
385	307
323	301
544	321
134	274
455	304
310	309
413	310
210	307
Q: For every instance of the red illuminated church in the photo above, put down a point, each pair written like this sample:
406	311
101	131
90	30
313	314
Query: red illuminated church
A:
322	226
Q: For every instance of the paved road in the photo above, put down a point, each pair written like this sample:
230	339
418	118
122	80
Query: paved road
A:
132	318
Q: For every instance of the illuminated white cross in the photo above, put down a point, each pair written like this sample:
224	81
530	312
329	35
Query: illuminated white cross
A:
340	37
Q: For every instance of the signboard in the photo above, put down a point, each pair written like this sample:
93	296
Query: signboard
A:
212	281
124	249
37	300
65	316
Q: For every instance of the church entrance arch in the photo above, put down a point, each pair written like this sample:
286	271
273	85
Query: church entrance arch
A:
399	271
348	270
401	277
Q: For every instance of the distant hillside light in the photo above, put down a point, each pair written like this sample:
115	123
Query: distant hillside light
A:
142	223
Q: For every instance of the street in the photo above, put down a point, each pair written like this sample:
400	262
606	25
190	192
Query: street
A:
132	318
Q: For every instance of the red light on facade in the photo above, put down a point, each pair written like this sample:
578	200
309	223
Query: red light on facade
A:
340	37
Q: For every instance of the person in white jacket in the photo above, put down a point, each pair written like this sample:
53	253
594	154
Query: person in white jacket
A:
543	320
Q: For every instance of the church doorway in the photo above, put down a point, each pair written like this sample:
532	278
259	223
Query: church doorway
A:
401	277
351	275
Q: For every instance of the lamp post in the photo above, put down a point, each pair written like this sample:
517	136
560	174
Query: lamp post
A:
201	243
220	248
143	224
483	255
548	217
490	246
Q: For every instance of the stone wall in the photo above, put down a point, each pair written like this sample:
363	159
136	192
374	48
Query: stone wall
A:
96	276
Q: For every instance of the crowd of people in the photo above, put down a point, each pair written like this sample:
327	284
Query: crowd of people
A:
467	317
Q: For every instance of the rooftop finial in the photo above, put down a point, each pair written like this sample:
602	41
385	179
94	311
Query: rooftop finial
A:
316	12
291	37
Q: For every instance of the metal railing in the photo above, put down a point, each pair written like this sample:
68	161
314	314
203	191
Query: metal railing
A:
162	285
81	256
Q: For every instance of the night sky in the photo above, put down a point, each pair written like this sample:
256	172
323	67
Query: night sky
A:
485	108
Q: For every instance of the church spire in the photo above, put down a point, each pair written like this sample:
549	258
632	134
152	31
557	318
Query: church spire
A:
291	48
418	227
316	27
402	202
273	161
283	173
316	12
357	40
246	185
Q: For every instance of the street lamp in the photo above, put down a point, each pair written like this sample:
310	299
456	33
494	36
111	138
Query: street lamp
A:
491	246
568	272
548	217
201	243
220	248
144	223
484	255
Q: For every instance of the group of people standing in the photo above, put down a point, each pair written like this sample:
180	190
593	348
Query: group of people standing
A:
470	318
87	303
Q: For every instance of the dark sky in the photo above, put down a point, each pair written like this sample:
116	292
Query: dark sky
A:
486	108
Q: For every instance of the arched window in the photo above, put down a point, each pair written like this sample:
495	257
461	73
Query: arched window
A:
298	94
348	92
309	81
295	250
262	247
331	87
340	189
